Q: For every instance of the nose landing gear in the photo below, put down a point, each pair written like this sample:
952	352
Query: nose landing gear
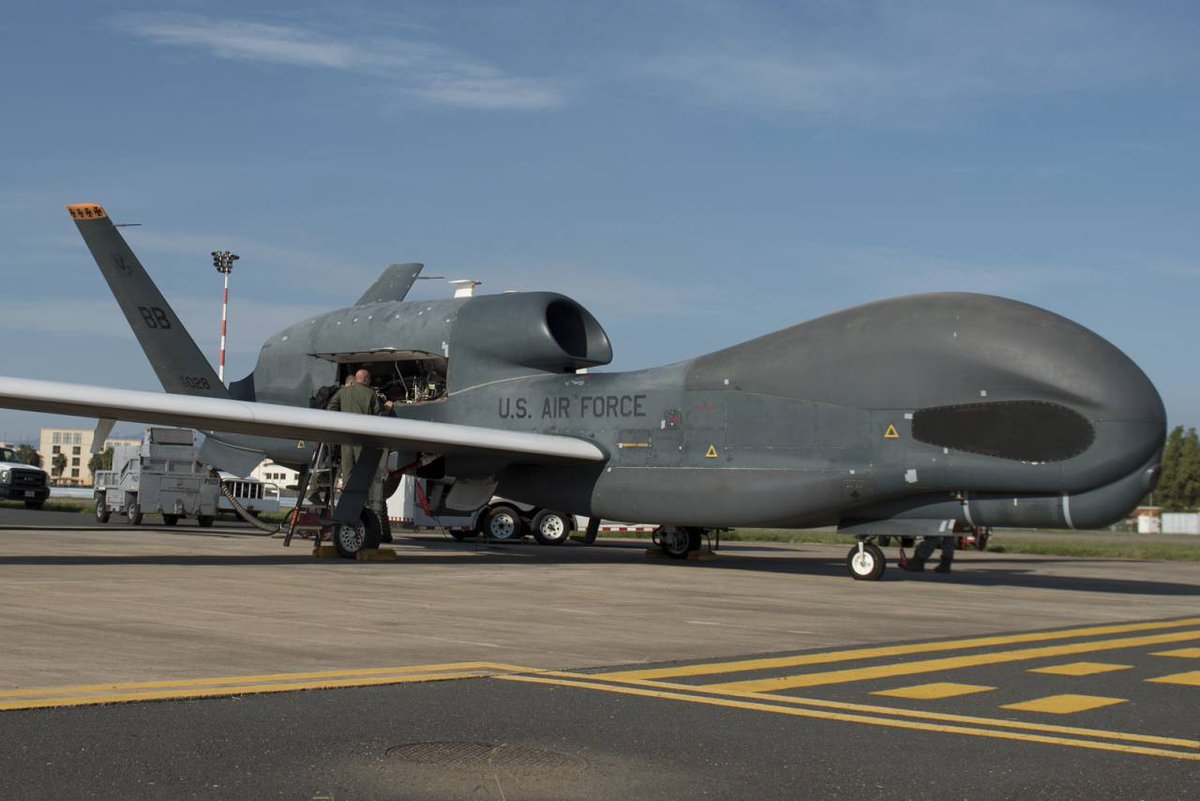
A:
865	561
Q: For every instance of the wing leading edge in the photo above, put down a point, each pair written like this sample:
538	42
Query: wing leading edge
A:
287	422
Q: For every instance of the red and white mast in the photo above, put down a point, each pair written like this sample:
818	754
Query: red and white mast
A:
223	260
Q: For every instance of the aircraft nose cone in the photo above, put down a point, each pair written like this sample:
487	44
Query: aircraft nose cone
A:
1033	353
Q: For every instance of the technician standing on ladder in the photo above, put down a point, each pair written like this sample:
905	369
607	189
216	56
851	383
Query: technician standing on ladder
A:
357	397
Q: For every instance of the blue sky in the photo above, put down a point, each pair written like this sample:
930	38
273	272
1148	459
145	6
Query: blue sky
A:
696	173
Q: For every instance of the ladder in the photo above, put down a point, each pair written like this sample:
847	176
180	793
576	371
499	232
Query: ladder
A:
320	478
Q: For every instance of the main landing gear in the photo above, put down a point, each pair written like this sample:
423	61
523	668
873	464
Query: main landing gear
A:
678	541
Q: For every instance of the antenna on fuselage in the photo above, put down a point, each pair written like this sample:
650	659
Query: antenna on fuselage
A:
464	287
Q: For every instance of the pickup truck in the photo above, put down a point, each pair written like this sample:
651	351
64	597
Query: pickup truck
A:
22	482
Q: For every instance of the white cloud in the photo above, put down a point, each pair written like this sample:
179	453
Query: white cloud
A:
416	69
300	267
87	319
898	57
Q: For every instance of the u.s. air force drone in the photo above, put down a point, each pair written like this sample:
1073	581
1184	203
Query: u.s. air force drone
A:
906	417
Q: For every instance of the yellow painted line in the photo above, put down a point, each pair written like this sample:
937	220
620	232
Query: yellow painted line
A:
948	663
264	678
1182	653
221	692
1066	704
920	714
1189	679
895	723
1080	669
773	663
935	691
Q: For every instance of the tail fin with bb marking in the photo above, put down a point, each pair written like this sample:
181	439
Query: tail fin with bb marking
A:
172	352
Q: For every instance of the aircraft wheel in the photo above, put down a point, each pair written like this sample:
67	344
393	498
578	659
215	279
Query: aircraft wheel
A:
550	528
205	521
362	536
170	520
503	524
102	512
677	543
133	513
867	564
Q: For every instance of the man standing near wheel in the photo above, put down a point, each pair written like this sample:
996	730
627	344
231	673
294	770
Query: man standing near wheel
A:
357	397
924	550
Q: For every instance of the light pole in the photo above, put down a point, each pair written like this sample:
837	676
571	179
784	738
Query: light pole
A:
223	260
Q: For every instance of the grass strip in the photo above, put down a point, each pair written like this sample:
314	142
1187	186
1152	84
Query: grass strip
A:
1078	544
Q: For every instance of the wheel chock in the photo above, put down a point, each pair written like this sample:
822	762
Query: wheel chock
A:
376	555
326	552
701	556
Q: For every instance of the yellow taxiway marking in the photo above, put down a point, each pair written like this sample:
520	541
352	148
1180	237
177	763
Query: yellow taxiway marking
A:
934	691
1189	679
853	654
920	714
262	678
1080	669
1064	704
948	663
89	694
889	722
1181	653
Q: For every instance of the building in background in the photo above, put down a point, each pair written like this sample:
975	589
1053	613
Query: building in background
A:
271	473
75	445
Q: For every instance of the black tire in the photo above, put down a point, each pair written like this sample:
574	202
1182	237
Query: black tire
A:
908	542
363	536
102	511
502	523
170	520
133	513
867	566
678	543
591	532
385	529
35	504
551	528
883	542
205	521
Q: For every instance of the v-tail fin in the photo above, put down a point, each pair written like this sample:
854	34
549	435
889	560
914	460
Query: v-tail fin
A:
179	364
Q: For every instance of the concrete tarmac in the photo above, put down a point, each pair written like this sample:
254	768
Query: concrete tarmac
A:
584	672
125	605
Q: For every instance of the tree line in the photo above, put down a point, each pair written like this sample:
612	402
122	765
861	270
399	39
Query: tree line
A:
1179	488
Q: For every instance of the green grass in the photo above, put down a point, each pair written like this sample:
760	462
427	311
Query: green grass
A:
1144	551
1093	545
1080	544
56	505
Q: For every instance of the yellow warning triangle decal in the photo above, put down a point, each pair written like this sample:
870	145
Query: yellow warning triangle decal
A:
712	452
891	433
300	444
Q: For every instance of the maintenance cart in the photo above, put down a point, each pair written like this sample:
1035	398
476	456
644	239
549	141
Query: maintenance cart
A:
161	476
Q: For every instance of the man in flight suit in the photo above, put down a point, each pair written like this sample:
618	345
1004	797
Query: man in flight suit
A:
357	397
924	550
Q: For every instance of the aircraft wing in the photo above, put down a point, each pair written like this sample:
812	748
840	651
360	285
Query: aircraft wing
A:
287	422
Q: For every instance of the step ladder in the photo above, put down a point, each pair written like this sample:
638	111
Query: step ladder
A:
320	479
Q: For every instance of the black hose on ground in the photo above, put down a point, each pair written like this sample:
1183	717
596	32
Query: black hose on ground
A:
246	515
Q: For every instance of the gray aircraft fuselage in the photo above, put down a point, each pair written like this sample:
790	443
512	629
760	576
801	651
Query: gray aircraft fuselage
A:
942	407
